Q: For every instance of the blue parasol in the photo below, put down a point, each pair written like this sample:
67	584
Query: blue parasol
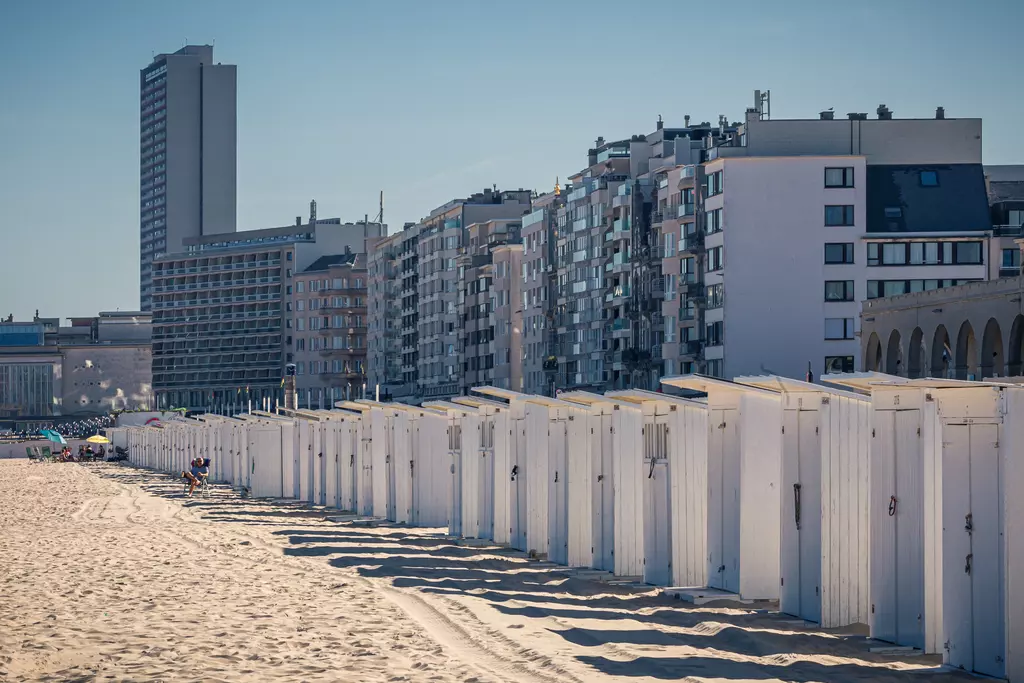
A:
53	436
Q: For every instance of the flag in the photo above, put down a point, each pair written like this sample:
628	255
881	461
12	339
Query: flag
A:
282	382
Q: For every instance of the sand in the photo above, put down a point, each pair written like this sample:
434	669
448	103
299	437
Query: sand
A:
109	573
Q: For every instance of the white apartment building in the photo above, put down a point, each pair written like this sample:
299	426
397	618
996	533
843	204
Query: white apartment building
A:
789	255
187	153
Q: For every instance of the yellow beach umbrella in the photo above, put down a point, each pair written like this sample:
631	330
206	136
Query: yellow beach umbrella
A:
98	439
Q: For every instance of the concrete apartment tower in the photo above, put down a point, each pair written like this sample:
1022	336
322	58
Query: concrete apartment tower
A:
187	154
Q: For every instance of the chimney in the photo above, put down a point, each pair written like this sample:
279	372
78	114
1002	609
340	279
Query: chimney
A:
883	113
686	120
599	141
940	112
827	115
661	124
298	221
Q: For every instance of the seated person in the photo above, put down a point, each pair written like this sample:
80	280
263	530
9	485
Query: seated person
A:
190	475
200	471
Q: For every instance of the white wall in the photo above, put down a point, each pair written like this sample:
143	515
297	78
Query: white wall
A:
98	379
774	236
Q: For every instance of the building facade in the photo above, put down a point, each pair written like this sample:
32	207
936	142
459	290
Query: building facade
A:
222	333
537	288
187	154
329	332
489	306
50	373
439	239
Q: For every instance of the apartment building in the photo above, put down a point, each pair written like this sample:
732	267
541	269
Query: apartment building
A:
539	283
187	154
440	237
90	367
489	306
797	222
383	310
329	331
1006	198
222	333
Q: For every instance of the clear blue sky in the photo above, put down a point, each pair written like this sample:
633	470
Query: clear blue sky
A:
427	101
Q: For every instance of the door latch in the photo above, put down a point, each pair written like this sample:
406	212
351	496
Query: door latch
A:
969	523
892	505
970	561
515	471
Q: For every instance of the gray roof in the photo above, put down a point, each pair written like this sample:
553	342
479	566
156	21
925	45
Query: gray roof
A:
959	202
325	262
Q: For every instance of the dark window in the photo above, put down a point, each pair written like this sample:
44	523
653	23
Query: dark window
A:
714	183
289	257
839	290
967	253
715	261
835	364
839	328
893	212
1011	258
839	215
839	252
838	177
929	179
714	221
714	333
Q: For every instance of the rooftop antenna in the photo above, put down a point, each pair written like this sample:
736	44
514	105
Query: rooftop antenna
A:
380	214
312	212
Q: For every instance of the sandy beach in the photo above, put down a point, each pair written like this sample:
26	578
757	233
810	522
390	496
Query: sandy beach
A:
110	573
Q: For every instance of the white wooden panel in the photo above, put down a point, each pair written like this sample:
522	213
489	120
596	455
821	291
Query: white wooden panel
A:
986	563
956	545
348	446
471	475
909	529
1012	462
518	483
403	429
604	495
364	467
933	497
789	582
290	459
537	471
883	527
760	495
432	476
330	460
392	465
656	514
688	457
583	444
455	435
810	516
627	470
305	448
379	456
487	482
558	492
500	468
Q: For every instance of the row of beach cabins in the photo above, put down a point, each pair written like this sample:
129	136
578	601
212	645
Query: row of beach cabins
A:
868	498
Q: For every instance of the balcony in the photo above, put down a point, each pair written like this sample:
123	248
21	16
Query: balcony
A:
694	242
684	210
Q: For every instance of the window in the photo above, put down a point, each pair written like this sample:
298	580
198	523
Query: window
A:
839	290
714	295
670	328
1016	217
716	368
967	253
839	177
839	215
288	257
714	333
1011	258
838	328
715	261
929	179
714	183
300	305
893	212
839	252
300	286
714	221
835	364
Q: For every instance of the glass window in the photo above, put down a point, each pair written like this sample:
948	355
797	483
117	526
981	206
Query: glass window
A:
839	215
894	287
839	290
929	179
874	254
838	328
300	286
968	253
931	252
916	253
839	177
714	221
894	254
893	212
839	252
715	261
836	364
1011	258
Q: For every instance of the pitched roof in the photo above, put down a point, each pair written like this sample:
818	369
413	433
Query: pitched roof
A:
958	203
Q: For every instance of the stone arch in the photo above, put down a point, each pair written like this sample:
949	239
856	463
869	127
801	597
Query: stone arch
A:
1016	348
993	360
917	352
942	354
873	354
894	354
966	352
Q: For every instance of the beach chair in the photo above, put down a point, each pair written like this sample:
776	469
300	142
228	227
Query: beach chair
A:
47	456
32	455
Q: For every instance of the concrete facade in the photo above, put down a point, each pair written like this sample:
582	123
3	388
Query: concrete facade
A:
222	332
537	285
330	352
91	367
973	331
188	148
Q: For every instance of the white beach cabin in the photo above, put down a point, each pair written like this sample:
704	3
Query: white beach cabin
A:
744	485
674	483
826	442
422	466
363	462
510	477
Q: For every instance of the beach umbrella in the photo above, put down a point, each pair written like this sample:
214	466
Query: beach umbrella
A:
53	436
98	439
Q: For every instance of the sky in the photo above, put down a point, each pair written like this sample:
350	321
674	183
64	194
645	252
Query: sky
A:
428	101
